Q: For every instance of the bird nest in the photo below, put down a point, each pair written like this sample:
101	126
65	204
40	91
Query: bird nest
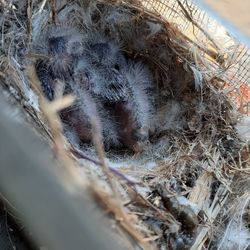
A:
179	165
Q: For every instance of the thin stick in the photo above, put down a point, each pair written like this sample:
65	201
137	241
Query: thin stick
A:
79	154
53	10
29	15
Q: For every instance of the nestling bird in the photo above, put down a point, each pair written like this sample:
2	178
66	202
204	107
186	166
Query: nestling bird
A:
63	47
134	114
114	91
90	108
79	117
102	63
125	88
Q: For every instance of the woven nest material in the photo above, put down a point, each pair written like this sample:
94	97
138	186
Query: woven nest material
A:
179	190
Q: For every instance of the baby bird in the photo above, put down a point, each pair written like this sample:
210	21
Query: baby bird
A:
125	89
88	109
134	115
63	47
113	91
102	63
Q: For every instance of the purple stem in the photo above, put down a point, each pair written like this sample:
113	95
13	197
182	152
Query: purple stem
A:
79	154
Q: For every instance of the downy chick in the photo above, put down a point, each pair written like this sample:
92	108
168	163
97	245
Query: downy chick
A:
62	47
104	67
87	109
123	87
102	62
134	115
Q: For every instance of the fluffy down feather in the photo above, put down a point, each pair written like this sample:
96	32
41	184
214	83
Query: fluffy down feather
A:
102	64
87	109
113	91
63	47
134	114
140	90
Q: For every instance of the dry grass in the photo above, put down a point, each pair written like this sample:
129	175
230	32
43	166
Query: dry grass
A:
198	163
